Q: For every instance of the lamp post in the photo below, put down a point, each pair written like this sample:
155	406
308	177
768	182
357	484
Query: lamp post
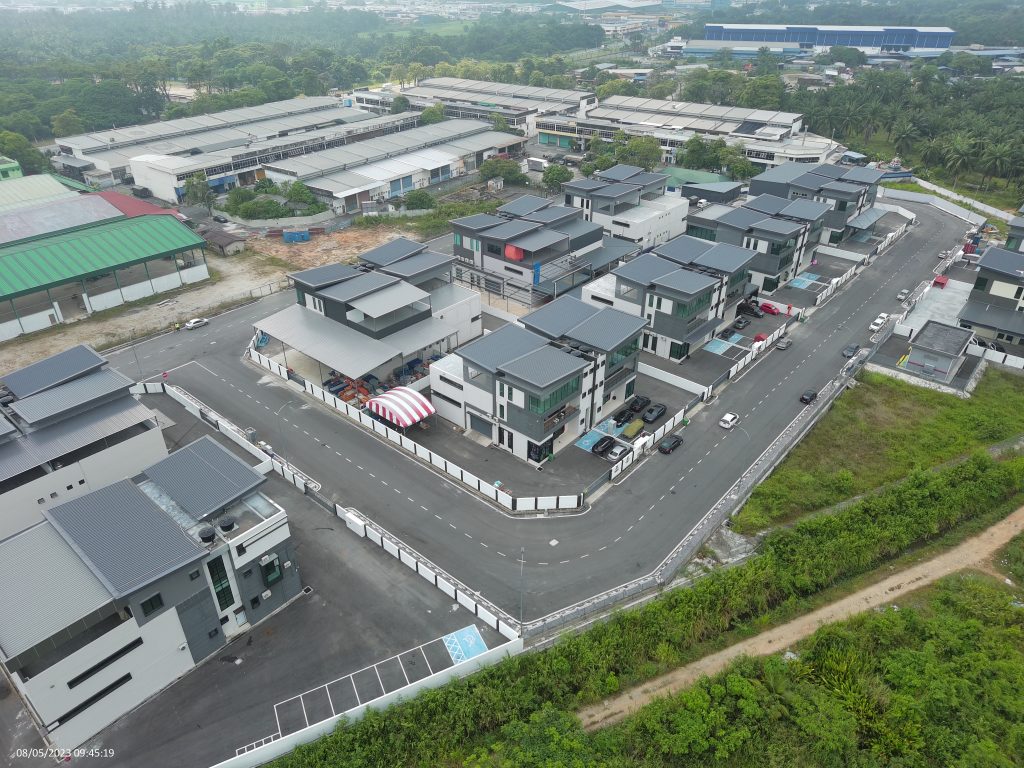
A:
522	577
131	336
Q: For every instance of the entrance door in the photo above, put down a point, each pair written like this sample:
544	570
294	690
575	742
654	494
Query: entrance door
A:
481	425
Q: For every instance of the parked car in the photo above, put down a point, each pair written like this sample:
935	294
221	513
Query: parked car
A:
220	219
741	323
850	350
808	397
729	421
634	428
626	414
617	453
902	295
879	322
196	322
771	309
639	403
750	309
653	413
784	344
726	334
603	445
669	444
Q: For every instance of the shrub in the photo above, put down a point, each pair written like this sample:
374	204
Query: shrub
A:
419	199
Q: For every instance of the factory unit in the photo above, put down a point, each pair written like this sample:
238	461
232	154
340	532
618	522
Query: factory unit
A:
390	166
119	592
680	48
883	39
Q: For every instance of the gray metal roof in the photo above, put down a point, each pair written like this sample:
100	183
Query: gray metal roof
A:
524	205
684	249
413	338
368	282
867	219
418	264
1003	261
44	588
53	370
619	172
719	187
584	185
6	428
944	339
770	204
990	316
544	367
56	440
328	274
863	175
542	238
609	251
615	190
124	537
686	281
492	350
477	221
725	258
58	216
828	170
558	316
204	477
785	173
337	346
646	179
644	269
396	250
742	218
805	210
101	385
842	186
608	330
389	299
510	229
1017	222
778	226
552	214
576	228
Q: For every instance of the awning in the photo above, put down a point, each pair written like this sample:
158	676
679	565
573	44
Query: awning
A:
867	219
401	406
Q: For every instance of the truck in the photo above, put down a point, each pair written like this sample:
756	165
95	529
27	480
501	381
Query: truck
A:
536	163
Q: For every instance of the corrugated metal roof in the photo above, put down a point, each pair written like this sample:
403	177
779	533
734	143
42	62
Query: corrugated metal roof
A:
553	213
428	331
780	227
53	370
544	367
79	393
619	172
686	281
390	252
418	264
69	435
59	259
558	316
684	249
366	283
57	216
389	299
645	269
477	222
542	238
44	588
725	258
204	477
608	330
523	205
328	274
335	345
30	191
770	204
1002	260
6	428
124	537
510	341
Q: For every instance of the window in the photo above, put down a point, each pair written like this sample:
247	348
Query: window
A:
623	224
152	604
501	389
704	233
272	572
623	352
693	307
70	487
447	399
537	405
212	633
501	412
518	272
254	603
93	699
981	284
475	318
602	300
1018	292
450	382
193	575
221	584
457	238
104	663
494	249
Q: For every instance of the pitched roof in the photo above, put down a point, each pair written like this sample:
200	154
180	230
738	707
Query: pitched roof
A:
1003	261
346	291
684	249
645	269
558	316
608	330
389	253
204	477
686	281
31	190
778	226
863	175
56	216
544	367
805	210
619	172
510	341
552	214
133	206
510	229
53	370
92	388
536	241
418	264
123	536
477	221
58	259
770	204
328	274
523	205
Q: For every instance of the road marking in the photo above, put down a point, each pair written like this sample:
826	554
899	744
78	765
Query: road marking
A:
427	510
383	482
504	555
338	452
541	563
583	556
347	459
483	545
372	475
661	499
643	516
467	535
602	549
629	529
359	468
398	491
305	433
617	540
410	499
649	509
437	516
452	527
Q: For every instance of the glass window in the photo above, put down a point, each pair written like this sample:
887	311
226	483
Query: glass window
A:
623	352
538	405
221	584
457	238
272	572
152	604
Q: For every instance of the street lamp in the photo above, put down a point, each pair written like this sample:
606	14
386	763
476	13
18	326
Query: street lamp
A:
131	337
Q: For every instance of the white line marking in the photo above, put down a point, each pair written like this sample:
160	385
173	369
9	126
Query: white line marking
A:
617	540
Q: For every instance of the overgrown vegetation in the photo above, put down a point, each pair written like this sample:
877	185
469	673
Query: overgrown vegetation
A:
876	434
259	202
444	726
433	224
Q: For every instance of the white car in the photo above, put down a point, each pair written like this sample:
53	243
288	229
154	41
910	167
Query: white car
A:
196	322
879	322
729	421
902	295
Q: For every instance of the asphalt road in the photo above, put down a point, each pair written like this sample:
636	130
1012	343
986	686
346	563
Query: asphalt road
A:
628	531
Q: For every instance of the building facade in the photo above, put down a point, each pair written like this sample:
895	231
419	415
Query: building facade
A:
995	306
811	37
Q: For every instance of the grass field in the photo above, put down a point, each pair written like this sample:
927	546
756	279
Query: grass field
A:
879	432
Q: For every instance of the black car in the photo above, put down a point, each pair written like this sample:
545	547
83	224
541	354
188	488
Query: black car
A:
808	397
623	416
639	403
669	444
653	413
220	219
750	309
726	334
741	323
603	445
850	350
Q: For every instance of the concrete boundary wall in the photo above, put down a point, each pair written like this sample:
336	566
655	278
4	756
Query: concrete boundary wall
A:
676	381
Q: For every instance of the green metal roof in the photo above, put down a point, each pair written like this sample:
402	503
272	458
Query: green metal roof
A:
690	176
52	261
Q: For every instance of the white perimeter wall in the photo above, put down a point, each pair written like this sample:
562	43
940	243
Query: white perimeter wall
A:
160	182
161	659
460	316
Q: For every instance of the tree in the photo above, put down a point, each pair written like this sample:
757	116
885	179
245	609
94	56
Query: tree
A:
960	155
904	134
399	105
604	162
198	192
419	199
555	176
300	193
17	147
588	169
431	115
996	160
67	123
616	88
644	151
509	170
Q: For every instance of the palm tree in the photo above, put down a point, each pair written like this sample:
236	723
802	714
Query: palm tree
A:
870	118
904	134
996	160
933	151
960	152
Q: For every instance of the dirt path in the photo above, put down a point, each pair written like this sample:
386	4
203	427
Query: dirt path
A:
976	552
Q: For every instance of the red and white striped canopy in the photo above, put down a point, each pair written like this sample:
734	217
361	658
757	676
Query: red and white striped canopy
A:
401	406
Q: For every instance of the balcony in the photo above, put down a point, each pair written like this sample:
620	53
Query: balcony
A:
558	417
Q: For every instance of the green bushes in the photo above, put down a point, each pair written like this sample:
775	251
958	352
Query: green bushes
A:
443	724
250	204
886	429
433	224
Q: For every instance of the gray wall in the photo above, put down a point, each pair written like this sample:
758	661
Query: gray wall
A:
198	617
174	588
250	586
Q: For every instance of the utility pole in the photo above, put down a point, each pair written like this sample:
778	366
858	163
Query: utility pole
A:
131	336
522	574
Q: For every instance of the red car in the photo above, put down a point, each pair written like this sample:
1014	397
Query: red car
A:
771	309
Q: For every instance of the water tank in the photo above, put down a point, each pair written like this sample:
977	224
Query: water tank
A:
226	523
207	534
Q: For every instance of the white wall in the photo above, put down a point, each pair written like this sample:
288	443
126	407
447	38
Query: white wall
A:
667	222
39	320
139	290
460	316
101	301
162	658
20	507
445	409
194	274
9	330
166	282
160	182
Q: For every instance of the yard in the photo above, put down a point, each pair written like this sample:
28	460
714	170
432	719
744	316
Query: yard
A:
878	433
